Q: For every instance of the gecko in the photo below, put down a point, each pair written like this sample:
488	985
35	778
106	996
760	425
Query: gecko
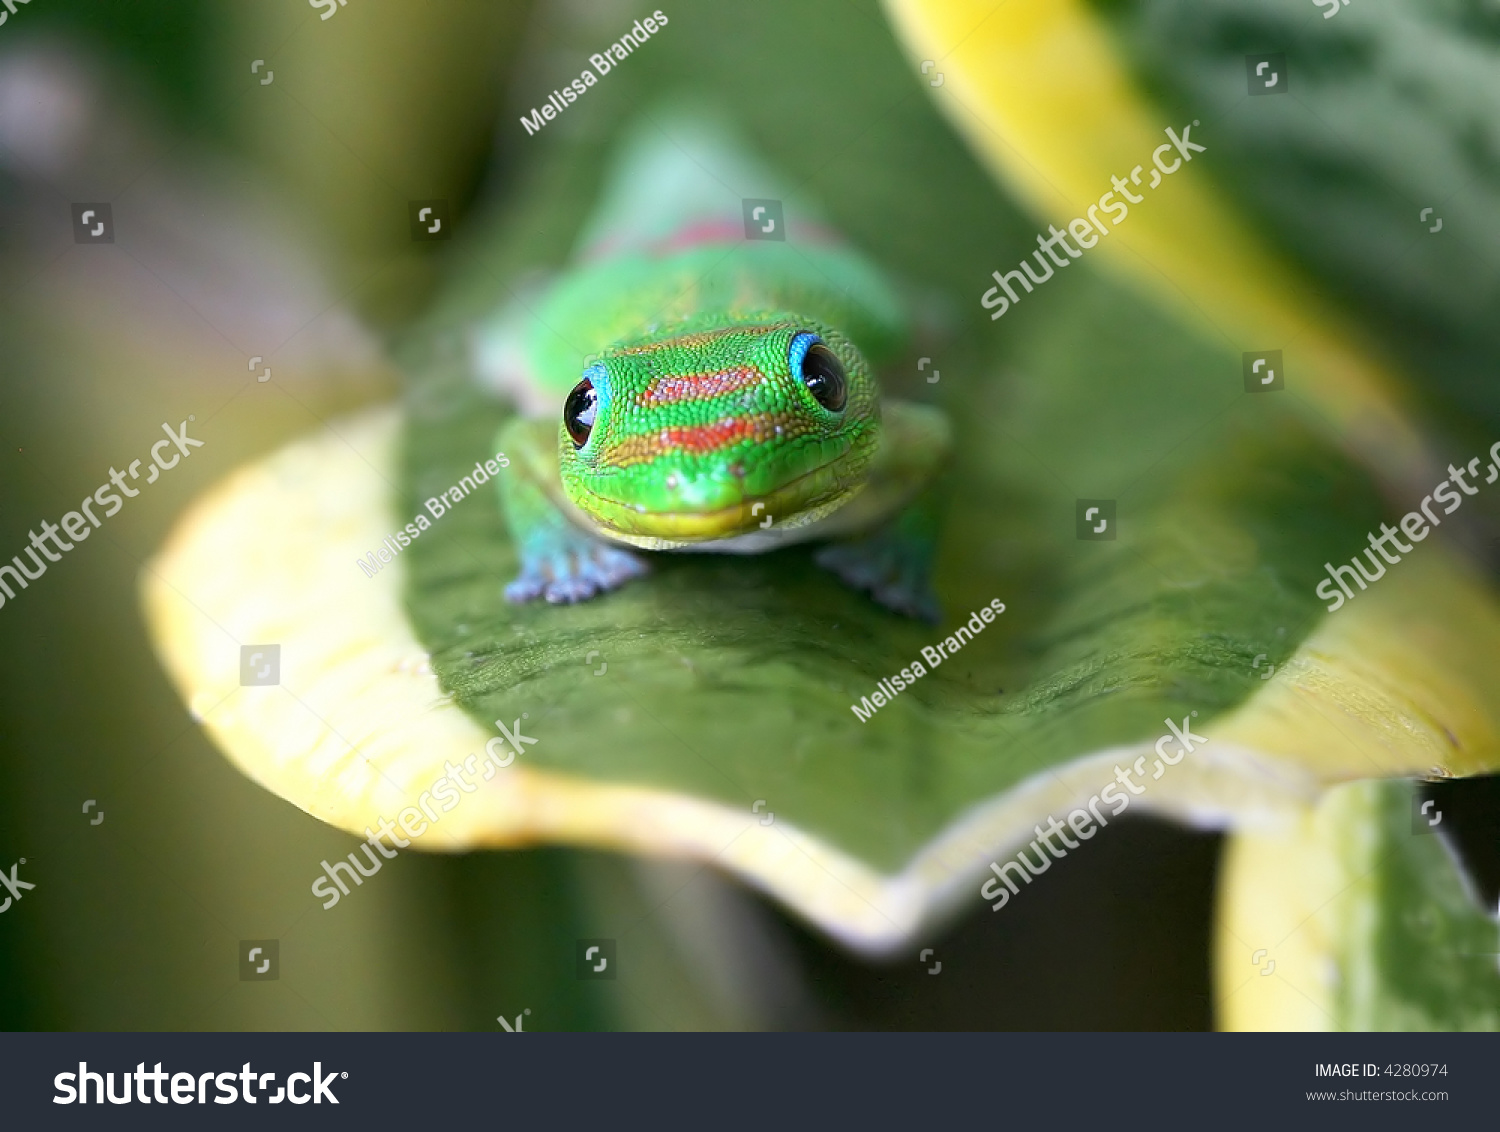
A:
701	378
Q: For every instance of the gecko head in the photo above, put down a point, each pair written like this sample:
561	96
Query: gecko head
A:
704	431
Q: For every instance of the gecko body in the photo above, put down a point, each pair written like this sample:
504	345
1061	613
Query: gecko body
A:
686	388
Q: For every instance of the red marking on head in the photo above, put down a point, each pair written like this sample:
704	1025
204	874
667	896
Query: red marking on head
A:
703	232
695	440
671	388
698	439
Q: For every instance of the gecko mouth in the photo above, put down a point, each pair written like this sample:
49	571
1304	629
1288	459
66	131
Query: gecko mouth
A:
806	499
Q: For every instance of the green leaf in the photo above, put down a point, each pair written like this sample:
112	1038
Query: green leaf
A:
1366	922
1389	114
729	680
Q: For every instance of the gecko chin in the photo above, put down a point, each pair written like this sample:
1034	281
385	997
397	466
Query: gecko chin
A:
718	510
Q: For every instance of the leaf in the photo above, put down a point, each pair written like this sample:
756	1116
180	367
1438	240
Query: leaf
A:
1378	175
727	682
1355	917
1038	89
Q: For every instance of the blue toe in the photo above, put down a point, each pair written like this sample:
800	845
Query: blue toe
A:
577	570
895	572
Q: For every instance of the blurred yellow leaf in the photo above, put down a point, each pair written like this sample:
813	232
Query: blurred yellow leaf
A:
1039	91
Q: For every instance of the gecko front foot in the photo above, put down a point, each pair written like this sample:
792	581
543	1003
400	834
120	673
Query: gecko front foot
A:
576	568
895	570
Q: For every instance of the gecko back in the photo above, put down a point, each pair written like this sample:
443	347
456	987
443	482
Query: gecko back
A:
673	240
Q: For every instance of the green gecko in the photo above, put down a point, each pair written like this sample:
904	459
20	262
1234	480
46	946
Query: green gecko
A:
685	388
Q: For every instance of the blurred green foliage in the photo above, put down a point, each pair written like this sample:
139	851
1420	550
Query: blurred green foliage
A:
1392	108
1421	954
163	44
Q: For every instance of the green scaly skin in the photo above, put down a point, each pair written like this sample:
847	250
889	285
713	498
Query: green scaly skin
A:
706	436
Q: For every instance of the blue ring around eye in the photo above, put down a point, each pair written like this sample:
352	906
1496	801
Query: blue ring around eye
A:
598	376
801	343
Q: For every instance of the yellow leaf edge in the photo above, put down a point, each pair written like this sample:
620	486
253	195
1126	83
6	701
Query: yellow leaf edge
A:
1275	928
1294	918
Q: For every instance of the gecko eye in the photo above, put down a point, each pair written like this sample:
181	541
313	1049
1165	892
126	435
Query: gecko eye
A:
578	412
823	374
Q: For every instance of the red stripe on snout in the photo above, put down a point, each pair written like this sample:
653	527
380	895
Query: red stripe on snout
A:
672	388
694	439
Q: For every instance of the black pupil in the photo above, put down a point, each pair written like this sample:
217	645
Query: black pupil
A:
578	412
824	377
